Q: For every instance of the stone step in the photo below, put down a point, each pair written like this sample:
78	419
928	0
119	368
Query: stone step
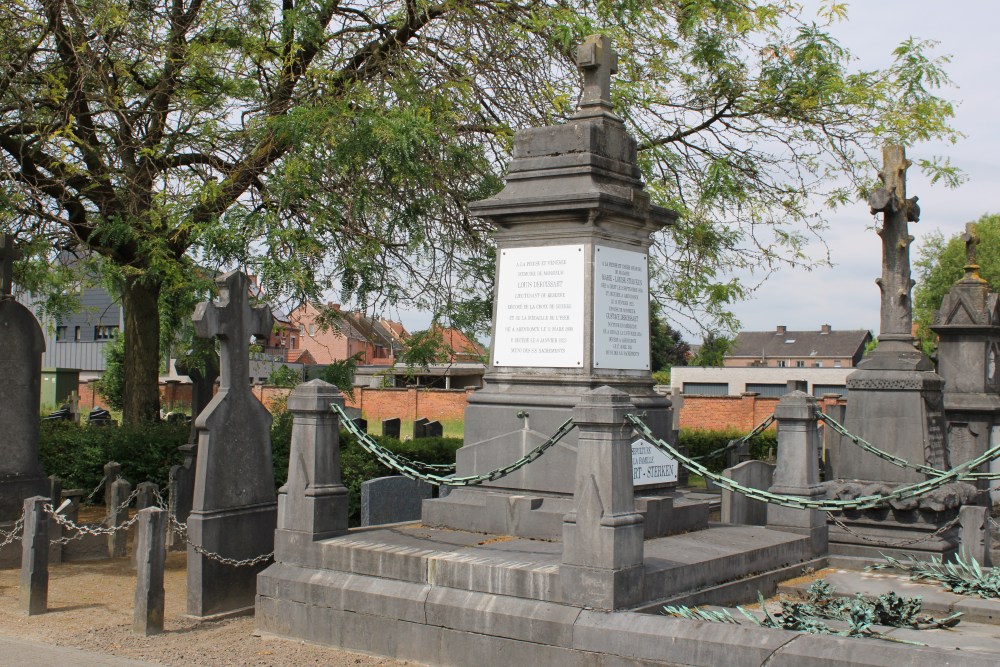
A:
936	600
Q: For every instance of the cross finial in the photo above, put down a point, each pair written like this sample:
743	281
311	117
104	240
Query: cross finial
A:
971	240
8	255
598	61
233	320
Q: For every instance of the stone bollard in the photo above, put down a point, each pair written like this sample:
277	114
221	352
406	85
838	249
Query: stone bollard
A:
797	469
974	534
314	500
112	471
151	555
145	495
34	593
117	515
602	560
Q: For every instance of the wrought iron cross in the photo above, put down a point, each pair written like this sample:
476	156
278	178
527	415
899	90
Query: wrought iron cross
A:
598	61
8	255
232	320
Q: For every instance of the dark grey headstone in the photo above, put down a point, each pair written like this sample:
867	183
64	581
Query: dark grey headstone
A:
392	499
361	423
390	427
420	428
21	474
433	429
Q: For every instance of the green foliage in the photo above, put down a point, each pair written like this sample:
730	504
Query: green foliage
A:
941	264
662	376
667	347
713	350
424	348
77	453
284	376
701	443
340	374
111	384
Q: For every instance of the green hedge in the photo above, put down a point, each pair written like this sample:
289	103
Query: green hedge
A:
77	453
700	443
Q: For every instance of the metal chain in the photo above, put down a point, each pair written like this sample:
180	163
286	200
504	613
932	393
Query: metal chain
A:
894	460
15	533
738	442
96	489
85	529
882	543
211	555
392	460
862	502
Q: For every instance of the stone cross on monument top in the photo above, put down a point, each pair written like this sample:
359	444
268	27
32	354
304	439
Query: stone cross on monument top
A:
8	255
598	61
971	240
233	320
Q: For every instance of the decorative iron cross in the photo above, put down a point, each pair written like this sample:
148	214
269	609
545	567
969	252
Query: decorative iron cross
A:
8	255
598	61
232	320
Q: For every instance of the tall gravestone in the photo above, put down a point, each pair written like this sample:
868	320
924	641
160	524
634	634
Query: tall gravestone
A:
968	327
571	312
896	398
234	510
21	348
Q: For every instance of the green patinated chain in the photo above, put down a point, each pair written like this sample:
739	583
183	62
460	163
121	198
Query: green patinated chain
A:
412	469
860	503
894	460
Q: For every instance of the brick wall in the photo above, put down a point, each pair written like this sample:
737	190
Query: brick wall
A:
411	403
718	413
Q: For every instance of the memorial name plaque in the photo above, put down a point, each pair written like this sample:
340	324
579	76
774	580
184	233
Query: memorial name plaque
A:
621	309
651	466
540	307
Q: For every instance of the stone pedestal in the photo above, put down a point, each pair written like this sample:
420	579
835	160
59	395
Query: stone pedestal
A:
602	561
314	500
797	469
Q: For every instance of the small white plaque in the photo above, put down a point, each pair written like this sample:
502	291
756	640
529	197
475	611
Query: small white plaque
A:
650	466
621	309
540	307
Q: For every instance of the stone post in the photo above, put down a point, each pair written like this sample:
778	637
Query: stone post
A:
832	441
797	471
151	555
34	591
112	471
314	501
145	495
974	534
117	515
602	561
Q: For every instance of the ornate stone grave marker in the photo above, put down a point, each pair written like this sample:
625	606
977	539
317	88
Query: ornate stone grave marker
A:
234	510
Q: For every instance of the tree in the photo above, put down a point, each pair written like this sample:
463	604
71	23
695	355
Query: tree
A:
337	142
340	373
941	263
667	347
284	376
712	351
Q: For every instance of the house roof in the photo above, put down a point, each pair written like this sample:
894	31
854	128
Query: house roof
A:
462	347
826	342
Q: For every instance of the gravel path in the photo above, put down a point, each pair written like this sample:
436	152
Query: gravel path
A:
90	607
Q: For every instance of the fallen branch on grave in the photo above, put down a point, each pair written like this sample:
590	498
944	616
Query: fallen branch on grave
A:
963	577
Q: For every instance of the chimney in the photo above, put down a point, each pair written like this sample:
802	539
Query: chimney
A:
824	329
334	306
781	330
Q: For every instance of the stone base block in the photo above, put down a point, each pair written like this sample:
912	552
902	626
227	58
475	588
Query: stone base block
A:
894	533
500	512
216	588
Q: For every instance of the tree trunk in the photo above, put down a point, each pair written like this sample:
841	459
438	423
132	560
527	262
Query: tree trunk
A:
141	391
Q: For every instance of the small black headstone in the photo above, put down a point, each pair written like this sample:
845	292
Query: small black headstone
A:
99	416
433	429
61	413
361	423
420	428
390	427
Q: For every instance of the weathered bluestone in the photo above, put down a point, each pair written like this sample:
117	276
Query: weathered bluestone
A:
392	499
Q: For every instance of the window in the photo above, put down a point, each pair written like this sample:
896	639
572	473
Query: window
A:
62	332
302	330
291	343
817	364
836	364
706	388
800	364
312	329
765	390
782	364
76	334
105	331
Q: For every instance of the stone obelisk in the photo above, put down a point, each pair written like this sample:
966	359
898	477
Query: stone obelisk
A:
895	397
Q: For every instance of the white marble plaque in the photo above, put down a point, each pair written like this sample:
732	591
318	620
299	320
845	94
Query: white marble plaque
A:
651	466
540	307
621	309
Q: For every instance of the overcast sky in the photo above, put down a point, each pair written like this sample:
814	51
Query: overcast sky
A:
845	295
